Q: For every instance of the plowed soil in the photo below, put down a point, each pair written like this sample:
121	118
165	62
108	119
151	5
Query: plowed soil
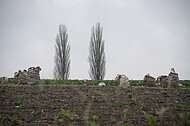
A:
104	106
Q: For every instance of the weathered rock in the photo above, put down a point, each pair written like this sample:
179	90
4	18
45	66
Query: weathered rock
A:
163	81
4	80
101	84
86	82
150	81
33	75
173	79
22	77
123	80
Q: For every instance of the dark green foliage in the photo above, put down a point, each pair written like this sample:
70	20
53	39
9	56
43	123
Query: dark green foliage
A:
151	119
2	90
21	98
18	103
79	82
48	81
13	81
15	122
165	104
125	124
113	105
185	82
186	118
137	83
130	95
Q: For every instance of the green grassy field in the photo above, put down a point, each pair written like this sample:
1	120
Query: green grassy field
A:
96	82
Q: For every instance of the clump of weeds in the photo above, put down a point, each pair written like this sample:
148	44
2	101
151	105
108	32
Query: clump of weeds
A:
17	103
130	95
15	121
151	119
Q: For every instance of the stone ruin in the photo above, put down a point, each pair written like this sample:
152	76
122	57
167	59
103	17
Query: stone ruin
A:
101	84
4	80
22	76
170	81
163	81
173	79
123	80
150	81
31	77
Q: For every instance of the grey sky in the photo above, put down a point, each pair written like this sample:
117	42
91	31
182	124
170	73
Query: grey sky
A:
141	36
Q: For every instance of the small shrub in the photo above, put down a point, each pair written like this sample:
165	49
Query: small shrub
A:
90	123
186	120
15	122
165	104
47	81
21	98
117	101
151	119
113	105
126	106
43	90
130	95
18	103
121	105
95	117
125	124
143	105
2	90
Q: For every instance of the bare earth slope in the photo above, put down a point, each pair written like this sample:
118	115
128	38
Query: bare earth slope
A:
106	106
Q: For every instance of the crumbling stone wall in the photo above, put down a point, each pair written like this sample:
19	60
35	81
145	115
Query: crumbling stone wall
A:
4	80
173	79
31	76
123	80
22	77
163	81
150	81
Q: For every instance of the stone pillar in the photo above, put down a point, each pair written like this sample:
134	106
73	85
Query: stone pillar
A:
22	77
4	80
173	79
163	81
123	80
33	75
150	81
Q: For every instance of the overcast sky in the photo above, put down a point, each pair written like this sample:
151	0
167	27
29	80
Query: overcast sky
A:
141	36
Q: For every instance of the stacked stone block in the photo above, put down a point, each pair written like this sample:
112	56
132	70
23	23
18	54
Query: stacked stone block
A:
31	77
4	80
123	80
150	81
173	79
22	77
